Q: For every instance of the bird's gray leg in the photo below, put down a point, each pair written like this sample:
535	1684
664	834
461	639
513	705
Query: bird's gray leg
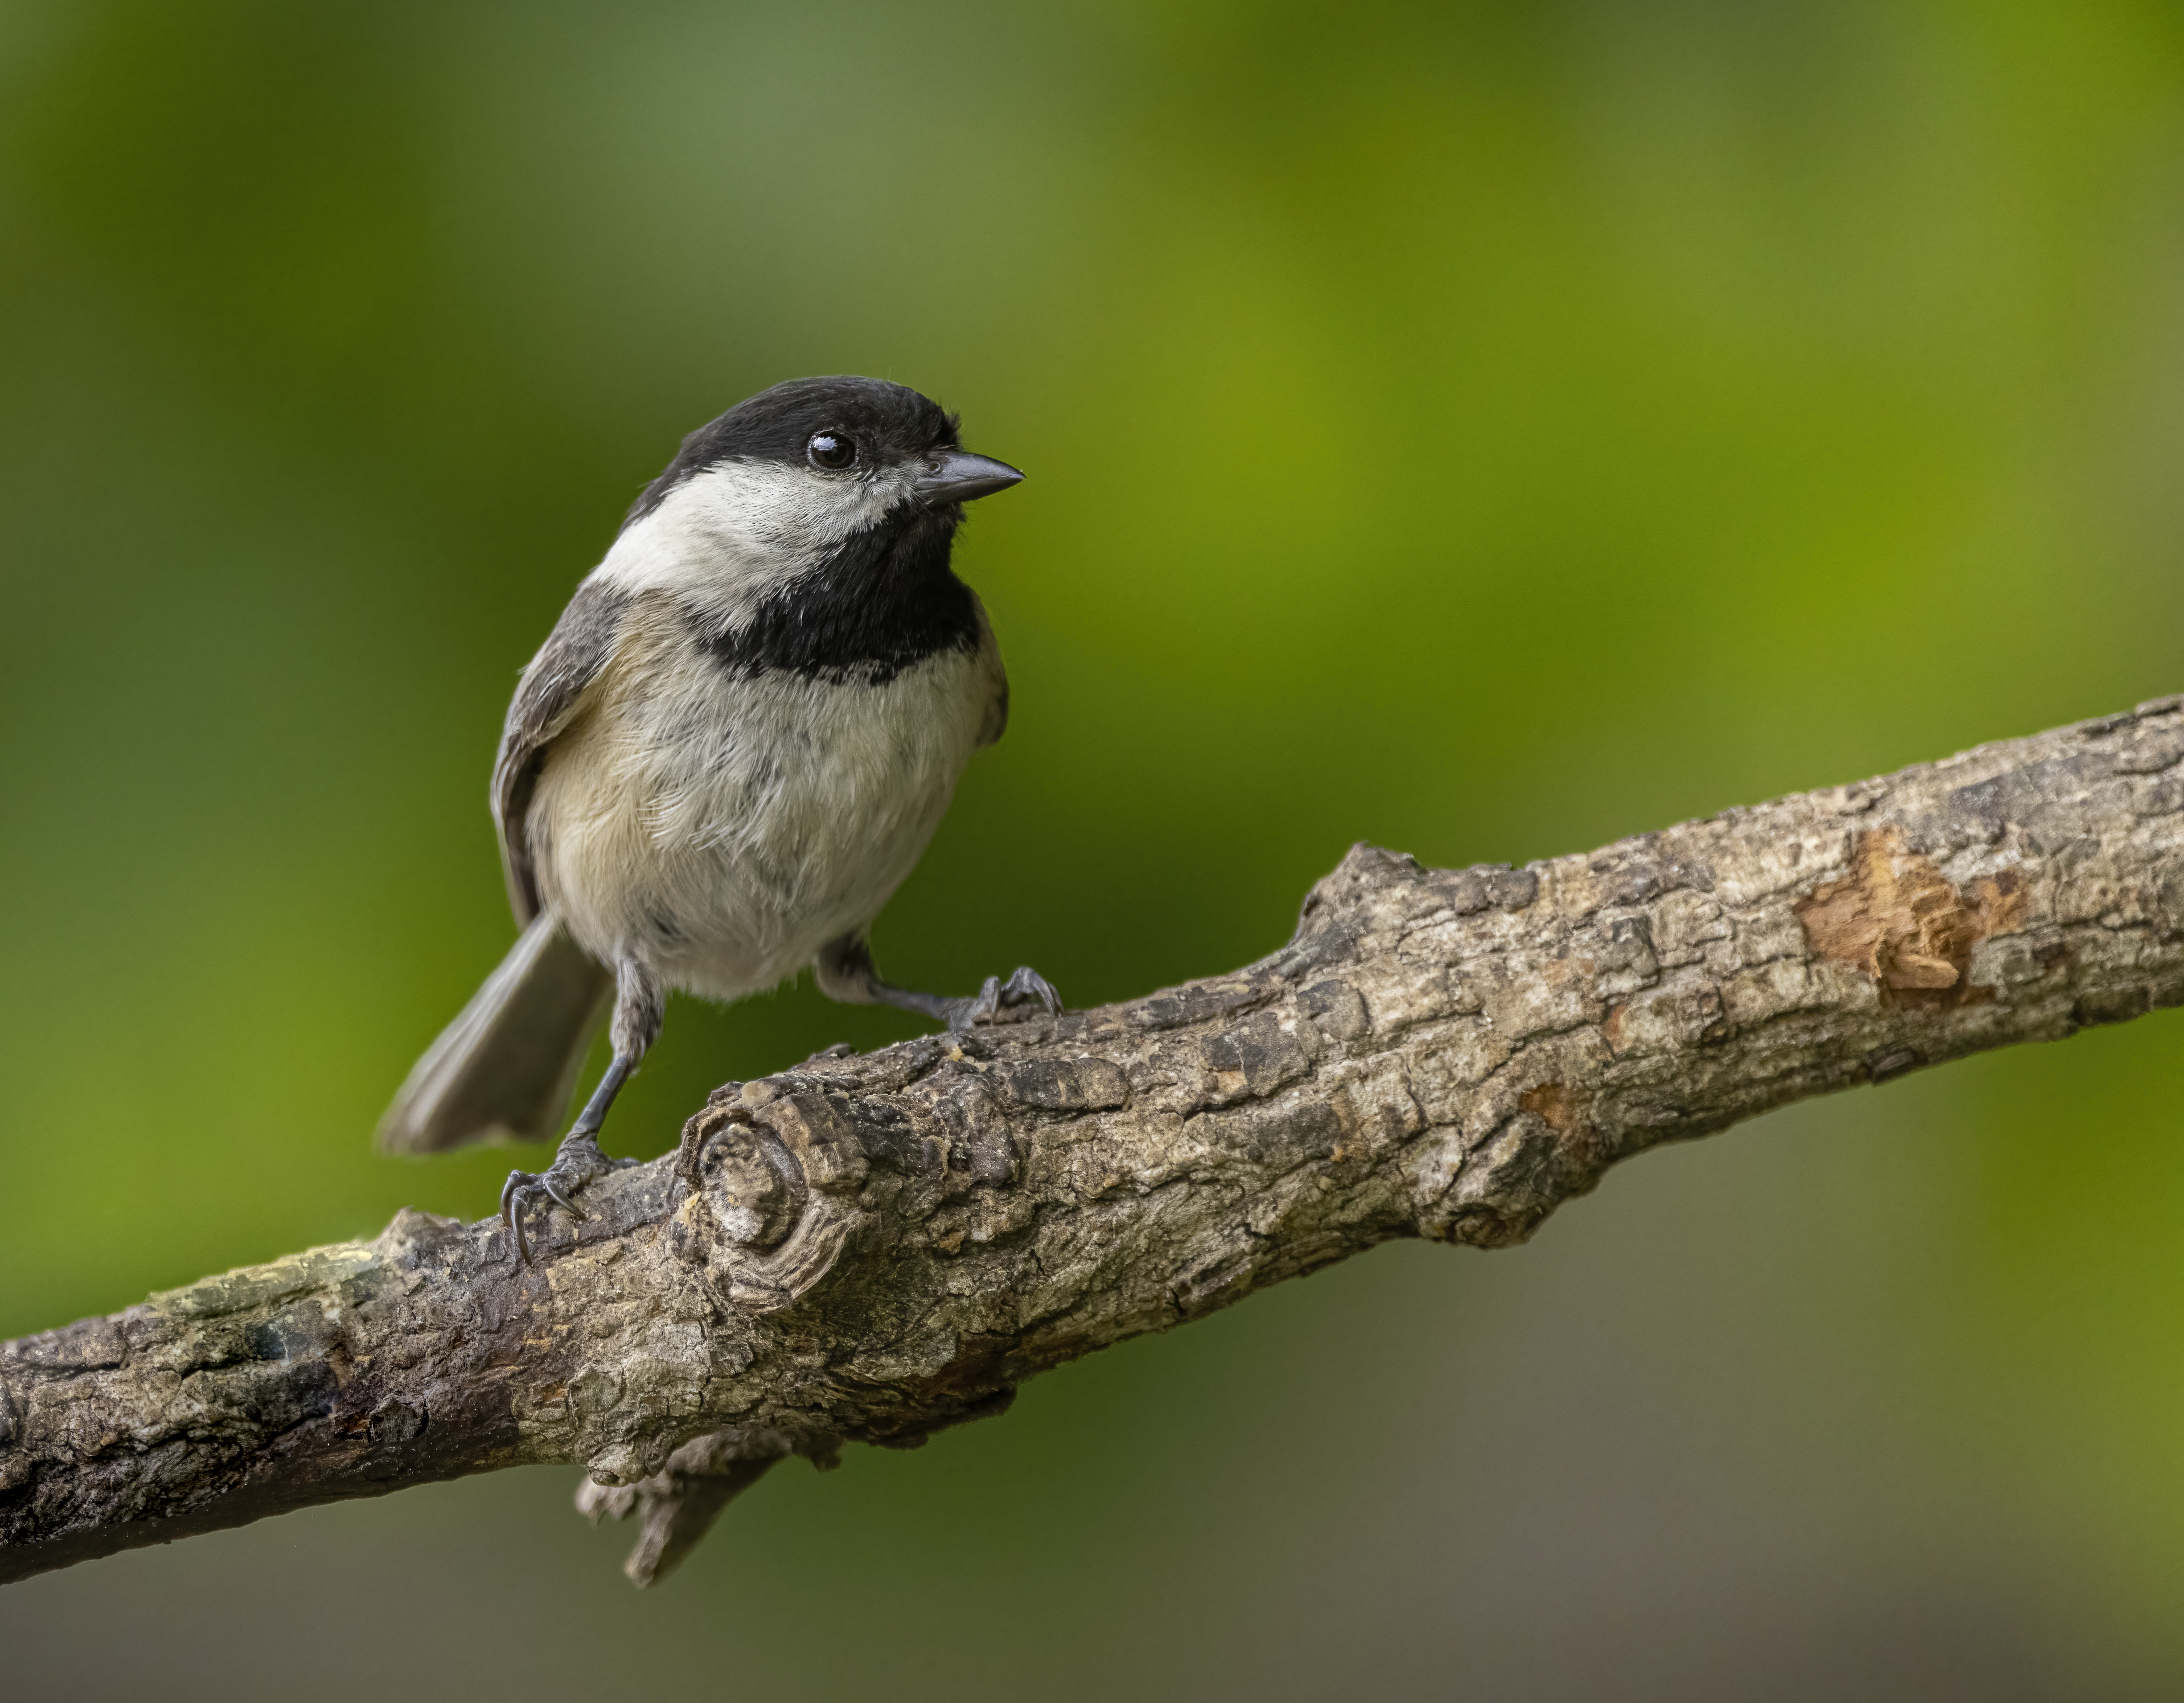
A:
846	972
640	1004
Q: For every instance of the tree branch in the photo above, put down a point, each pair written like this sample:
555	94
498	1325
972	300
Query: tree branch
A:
872	1248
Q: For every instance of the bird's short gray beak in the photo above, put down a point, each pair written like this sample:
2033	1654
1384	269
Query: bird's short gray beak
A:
956	476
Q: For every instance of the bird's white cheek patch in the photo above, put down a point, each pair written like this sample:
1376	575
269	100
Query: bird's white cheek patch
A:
729	536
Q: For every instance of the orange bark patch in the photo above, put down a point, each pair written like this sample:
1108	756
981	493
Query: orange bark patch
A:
1897	920
1554	1106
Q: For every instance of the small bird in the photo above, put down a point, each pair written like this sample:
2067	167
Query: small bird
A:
727	756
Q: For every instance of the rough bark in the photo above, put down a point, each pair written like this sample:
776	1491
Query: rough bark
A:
871	1247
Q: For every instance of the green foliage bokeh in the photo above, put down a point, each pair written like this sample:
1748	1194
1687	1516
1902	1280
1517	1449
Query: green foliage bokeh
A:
1485	429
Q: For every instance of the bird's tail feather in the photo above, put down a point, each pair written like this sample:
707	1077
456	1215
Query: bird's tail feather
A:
505	1069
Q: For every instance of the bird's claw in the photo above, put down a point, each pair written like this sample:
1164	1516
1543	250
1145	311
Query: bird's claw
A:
1026	987
577	1161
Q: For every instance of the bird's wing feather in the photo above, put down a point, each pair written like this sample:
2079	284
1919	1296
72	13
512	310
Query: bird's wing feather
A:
547	699
996	721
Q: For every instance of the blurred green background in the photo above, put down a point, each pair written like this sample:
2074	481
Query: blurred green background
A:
1488	429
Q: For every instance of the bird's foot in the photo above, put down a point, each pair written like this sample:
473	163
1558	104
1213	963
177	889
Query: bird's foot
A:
998	1001
576	1161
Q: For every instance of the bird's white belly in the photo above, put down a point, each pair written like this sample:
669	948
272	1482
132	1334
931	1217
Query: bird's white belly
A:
720	831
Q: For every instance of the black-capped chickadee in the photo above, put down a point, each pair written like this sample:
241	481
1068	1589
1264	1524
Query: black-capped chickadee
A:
729	752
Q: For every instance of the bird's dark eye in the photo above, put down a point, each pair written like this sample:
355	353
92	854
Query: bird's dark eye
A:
831	450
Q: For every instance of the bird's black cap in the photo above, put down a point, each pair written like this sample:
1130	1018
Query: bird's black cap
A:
890	423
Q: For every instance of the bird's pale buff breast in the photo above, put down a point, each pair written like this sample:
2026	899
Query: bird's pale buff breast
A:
720	830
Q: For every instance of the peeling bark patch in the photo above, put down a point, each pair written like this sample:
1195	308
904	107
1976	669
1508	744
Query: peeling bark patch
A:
1255	1058
394	1421
2116	1005
1897	920
1083	1084
1568	1112
87	1346
1555	1106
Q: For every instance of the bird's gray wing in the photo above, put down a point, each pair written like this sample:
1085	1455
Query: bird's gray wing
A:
547	699
996	680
